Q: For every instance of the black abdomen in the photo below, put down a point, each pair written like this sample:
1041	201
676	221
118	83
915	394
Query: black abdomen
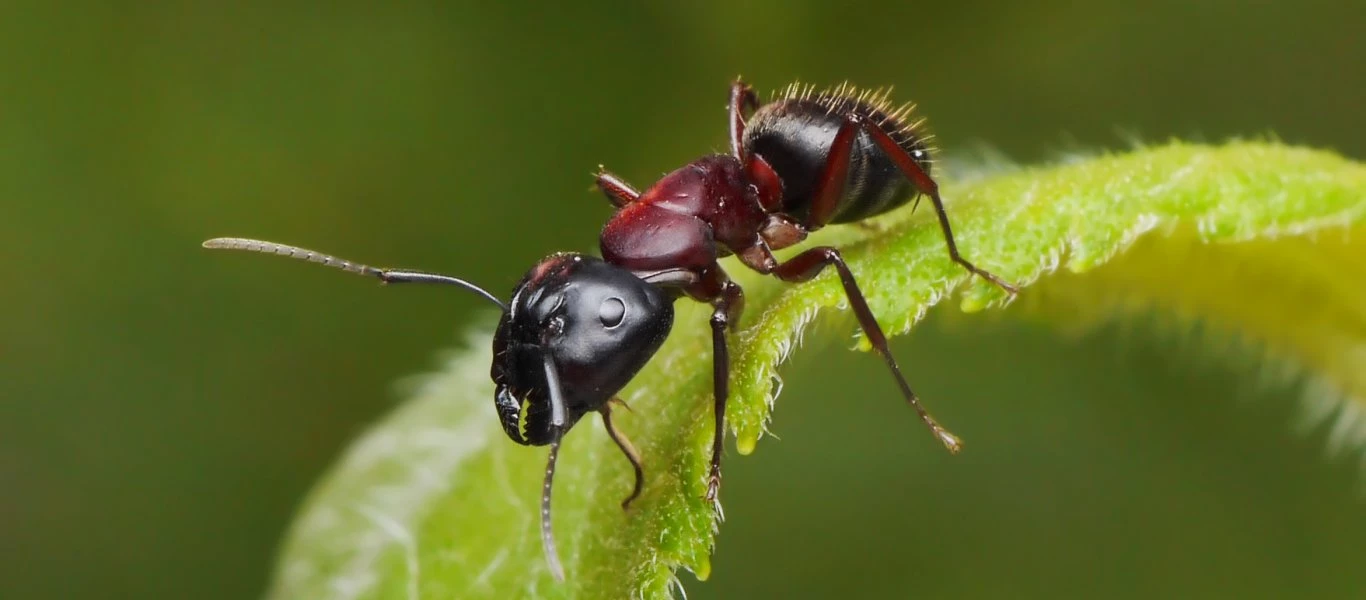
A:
794	134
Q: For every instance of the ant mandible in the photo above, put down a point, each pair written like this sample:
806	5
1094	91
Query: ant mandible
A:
579	328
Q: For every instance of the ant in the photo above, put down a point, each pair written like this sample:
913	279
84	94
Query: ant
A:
578	328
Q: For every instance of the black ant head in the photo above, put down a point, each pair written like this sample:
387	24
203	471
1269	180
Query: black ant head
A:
577	330
578	323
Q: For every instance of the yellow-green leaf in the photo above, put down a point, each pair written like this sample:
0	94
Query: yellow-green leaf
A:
1257	239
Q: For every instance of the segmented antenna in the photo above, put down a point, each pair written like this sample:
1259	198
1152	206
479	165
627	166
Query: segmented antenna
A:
547	535
385	275
557	420
232	243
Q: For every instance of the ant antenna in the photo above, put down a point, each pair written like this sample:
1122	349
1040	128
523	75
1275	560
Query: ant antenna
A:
385	275
557	410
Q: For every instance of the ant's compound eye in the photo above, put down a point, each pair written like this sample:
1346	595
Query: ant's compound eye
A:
611	312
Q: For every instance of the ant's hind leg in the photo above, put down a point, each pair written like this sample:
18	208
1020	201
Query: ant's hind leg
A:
618	192
834	173
927	186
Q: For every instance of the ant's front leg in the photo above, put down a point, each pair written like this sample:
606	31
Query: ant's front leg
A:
626	448
727	303
618	192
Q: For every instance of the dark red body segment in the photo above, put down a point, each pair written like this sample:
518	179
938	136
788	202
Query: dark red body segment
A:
651	238
687	219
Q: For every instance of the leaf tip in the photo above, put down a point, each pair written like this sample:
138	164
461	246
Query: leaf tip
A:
971	303
745	444
702	570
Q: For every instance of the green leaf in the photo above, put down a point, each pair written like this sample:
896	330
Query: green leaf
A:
1259	240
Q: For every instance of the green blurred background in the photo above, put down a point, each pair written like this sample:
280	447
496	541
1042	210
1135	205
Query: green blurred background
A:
163	410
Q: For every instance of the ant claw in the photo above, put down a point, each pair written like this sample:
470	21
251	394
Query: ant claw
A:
994	280
1009	289
713	488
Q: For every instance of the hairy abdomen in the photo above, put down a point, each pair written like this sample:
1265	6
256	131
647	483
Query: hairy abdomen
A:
794	133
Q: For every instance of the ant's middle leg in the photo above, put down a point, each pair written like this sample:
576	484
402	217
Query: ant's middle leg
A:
810	263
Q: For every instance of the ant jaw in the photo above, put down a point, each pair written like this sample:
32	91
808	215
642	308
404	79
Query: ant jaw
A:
713	488
510	410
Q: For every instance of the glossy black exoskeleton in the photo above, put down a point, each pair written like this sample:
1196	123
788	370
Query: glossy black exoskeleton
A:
576	331
594	323
579	328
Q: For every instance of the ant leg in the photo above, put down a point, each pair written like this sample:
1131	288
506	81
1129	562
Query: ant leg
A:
734	300
741	98
627	449
928	187
807	265
726	309
834	174
618	192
